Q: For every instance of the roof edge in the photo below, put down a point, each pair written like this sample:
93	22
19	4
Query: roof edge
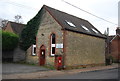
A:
86	33
115	37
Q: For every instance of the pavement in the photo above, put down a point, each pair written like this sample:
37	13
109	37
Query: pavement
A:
49	73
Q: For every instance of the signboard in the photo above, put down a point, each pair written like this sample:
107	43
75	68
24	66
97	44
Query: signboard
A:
59	45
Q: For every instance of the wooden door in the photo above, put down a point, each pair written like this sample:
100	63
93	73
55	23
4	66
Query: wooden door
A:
42	55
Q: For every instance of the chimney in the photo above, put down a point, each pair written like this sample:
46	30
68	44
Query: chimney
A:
118	30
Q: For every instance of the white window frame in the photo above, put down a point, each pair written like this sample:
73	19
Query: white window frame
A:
52	45
33	54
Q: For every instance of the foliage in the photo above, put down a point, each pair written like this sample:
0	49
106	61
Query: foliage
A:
3	22
9	41
28	35
18	18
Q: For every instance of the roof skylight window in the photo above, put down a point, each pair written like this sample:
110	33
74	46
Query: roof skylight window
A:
70	23
85	28
95	30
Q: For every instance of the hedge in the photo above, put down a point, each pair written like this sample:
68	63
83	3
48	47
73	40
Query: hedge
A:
9	41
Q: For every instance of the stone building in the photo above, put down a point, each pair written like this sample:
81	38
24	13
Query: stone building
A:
115	45
77	40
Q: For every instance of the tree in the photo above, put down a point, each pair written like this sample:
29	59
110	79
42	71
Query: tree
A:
17	18
9	41
28	35
3	22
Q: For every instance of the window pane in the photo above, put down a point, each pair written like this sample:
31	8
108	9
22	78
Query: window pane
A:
53	50
35	50
53	38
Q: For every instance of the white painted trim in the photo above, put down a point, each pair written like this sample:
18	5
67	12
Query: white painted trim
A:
34	46
52	45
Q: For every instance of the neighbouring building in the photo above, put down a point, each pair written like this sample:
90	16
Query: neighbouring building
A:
75	39
114	47
17	54
14	27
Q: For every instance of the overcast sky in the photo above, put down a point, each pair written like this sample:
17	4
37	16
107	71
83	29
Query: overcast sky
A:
107	9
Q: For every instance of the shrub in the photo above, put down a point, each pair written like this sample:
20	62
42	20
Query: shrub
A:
9	41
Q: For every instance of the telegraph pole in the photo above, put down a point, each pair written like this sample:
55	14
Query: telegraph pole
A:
108	44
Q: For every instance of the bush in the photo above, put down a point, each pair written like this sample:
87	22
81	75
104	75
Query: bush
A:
9	41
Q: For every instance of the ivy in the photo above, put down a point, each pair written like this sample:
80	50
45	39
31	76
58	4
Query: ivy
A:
28	35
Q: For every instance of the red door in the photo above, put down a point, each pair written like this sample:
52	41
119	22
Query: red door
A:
42	55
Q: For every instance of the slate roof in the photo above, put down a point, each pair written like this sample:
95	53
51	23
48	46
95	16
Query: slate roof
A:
17	27
73	23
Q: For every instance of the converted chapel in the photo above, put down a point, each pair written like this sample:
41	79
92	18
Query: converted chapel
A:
75	40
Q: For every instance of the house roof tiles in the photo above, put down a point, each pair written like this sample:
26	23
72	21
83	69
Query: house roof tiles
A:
17	27
73	23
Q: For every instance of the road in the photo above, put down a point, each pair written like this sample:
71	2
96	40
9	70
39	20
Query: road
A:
104	74
12	68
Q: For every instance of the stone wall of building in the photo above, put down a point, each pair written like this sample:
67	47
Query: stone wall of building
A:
30	58
47	27
83	49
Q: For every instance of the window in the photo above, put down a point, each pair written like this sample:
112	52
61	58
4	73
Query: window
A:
95	30
53	38
85	28
70	23
34	50
53	50
53	41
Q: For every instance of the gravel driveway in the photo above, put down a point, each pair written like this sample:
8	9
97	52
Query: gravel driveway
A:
11	68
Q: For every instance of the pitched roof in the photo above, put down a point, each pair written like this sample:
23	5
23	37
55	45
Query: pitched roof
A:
17	27
73	23
113	37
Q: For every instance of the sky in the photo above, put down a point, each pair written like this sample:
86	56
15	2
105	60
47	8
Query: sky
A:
106	9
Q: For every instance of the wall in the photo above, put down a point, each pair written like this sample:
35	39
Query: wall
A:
115	48
19	55
7	56
47	27
30	58
8	28
82	49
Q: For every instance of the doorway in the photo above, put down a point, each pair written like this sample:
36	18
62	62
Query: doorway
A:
42	55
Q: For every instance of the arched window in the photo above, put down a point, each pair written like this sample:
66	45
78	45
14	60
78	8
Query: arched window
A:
53	41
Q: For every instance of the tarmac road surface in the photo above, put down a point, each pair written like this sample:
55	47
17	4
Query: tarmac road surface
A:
103	74
11	68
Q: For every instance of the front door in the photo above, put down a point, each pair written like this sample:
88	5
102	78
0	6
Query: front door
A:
42	55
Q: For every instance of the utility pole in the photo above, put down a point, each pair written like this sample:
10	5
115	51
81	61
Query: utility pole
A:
108	44
108	48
